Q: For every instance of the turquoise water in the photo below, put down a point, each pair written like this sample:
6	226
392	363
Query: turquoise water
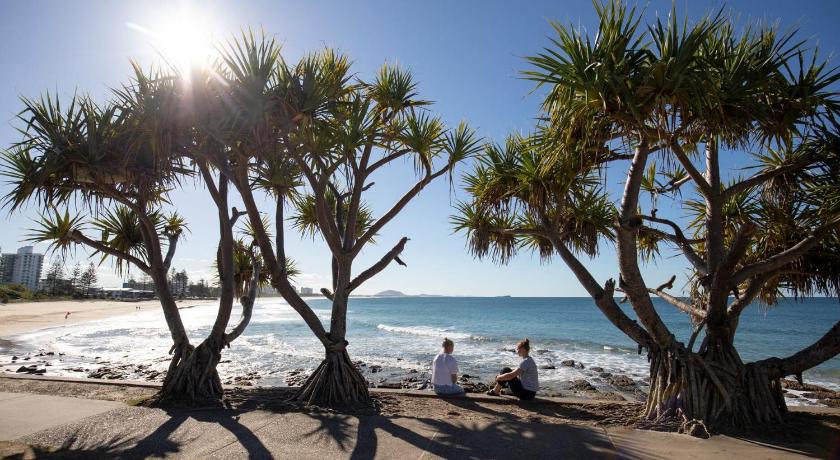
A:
403	334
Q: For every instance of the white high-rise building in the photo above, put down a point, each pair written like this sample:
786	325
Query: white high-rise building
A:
22	268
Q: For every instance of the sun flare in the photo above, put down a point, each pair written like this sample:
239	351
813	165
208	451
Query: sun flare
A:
182	37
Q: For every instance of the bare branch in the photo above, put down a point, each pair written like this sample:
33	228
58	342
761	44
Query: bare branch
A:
398	206
603	296
673	185
393	254
827	347
385	160
678	303
668	284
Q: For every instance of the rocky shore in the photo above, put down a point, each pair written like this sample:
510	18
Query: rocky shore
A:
597	383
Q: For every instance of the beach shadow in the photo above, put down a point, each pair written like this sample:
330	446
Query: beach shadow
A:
159	442
366	436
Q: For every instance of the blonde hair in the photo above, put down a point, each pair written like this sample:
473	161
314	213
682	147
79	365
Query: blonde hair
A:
447	343
526	344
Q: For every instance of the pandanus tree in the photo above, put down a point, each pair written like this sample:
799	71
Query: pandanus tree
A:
117	163
313	130
666	106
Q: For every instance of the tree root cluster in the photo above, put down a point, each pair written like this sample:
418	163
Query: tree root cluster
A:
335	383
712	389
192	378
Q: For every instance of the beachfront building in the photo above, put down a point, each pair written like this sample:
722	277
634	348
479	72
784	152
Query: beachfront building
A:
23	267
306	291
124	293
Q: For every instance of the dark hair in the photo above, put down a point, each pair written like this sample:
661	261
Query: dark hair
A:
447	342
526	344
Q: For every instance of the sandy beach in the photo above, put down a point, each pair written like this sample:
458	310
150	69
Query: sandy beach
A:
17	318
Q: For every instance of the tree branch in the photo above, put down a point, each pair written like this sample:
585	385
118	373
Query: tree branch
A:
406	198
79	237
781	259
681	241
751	291
603	296
692	171
247	302
763	177
385	160
393	254
678	303
827	347
627	249
170	251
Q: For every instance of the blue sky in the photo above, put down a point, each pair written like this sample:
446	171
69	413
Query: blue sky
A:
465	55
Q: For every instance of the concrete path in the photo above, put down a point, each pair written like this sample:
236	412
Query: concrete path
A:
24	413
99	429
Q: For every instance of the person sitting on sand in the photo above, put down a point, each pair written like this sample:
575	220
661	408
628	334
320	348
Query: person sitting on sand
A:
524	381
445	371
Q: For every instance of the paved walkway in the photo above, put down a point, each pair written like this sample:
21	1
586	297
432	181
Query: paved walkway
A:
24	413
97	429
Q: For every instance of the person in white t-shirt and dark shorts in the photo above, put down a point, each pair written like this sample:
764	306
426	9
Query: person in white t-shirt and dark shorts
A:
445	371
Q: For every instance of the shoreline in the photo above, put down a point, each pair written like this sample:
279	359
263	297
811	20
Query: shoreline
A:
28	317
31	316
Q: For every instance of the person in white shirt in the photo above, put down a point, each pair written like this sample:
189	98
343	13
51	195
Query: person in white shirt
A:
445	371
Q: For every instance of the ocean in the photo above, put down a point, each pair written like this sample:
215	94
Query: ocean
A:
402	334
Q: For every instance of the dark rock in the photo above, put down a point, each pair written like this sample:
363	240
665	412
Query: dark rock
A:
475	387
14	358
582	385
390	385
49	353
542	352
578	365
794	385
621	381
375	368
831	402
509	349
39	371
605	375
596	369
548	366
568	362
26	369
821	395
399	359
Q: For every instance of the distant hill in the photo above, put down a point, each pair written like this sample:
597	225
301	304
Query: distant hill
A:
389	293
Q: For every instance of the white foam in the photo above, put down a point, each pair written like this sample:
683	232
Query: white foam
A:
425	331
